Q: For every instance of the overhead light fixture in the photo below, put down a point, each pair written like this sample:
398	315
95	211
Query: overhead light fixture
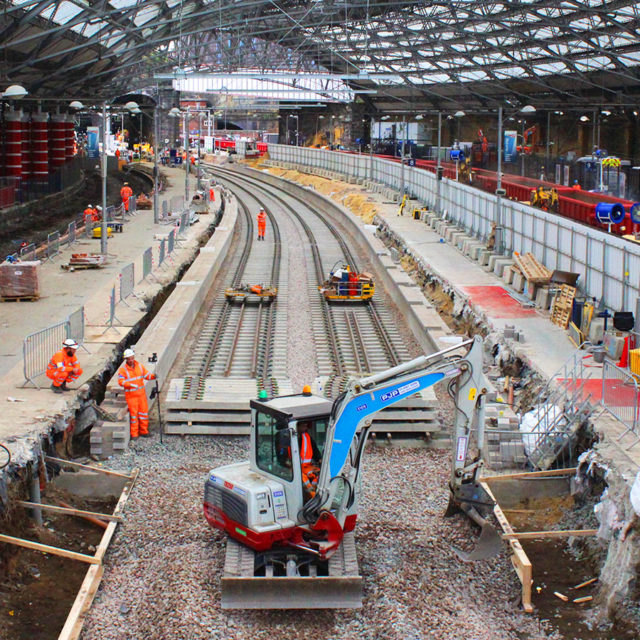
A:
76	104
460	114
419	117
528	108
584	118
559	113
606	113
131	105
15	92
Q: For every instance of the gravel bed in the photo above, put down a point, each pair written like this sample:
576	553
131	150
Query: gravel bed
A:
163	569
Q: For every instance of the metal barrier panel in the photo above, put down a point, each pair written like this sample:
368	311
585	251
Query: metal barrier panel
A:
620	395
53	244
38	349
127	281
110	213
171	241
75	325
112	306
28	253
133	204
71	233
184	223
165	208
147	262
161	252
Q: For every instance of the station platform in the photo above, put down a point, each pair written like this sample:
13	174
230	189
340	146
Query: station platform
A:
28	412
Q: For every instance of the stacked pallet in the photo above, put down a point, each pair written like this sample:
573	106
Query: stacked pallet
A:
533	271
563	306
20	280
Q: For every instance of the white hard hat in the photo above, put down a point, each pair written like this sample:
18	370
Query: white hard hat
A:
128	353
70	342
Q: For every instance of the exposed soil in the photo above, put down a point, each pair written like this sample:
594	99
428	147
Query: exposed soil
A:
37	590
36	222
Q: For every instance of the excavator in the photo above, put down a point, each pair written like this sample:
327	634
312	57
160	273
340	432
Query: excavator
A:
291	545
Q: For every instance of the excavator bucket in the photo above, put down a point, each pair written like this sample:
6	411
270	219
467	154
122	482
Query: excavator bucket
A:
245	588
489	545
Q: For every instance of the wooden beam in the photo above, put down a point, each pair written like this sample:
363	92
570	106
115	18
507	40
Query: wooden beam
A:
45	548
71	512
82	603
519	558
532	475
77	465
534	535
75	620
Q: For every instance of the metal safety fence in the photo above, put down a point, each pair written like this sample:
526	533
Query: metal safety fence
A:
147	263
53	244
71	233
75	322
39	347
161	252
28	253
184	223
620	397
171	239
127	281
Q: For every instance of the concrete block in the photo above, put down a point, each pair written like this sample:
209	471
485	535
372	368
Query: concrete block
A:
449	231
400	277
507	274
476	249
596	330
430	318
531	290
492	261
395	254
484	256
501	265
387	261
412	295
518	282
457	237
543	298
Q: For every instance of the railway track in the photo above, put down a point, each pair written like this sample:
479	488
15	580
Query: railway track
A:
242	347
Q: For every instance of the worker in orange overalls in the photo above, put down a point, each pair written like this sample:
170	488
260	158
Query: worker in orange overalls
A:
89	213
310	458
576	186
212	194
131	377
262	224
117	154
97	214
64	366
125	193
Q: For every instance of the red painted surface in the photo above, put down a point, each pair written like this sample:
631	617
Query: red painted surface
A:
618	394
496	302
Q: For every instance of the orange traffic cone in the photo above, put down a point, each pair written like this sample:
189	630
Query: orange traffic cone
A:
624	358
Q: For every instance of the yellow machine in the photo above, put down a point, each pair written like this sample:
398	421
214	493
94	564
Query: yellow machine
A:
97	232
344	285
464	172
251	293
546	199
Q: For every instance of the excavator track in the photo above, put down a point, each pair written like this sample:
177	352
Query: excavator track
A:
341	588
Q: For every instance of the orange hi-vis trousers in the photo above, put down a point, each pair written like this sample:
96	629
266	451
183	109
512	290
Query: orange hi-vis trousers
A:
138	413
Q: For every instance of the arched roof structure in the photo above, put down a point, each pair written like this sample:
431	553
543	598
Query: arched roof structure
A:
467	54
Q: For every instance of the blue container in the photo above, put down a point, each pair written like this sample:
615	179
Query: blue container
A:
610	212
635	212
456	154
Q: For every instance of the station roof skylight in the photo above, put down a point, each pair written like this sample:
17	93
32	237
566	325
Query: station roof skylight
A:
444	53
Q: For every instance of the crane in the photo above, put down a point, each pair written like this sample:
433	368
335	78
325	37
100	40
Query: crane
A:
288	521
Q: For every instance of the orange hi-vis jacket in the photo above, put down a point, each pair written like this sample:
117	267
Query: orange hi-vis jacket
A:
126	192
306	450
131	379
61	367
262	222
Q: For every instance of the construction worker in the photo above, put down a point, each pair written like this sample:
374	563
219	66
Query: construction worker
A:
576	186
131	377
262	224
212	194
310	458
97	214
89	213
64	366
125	193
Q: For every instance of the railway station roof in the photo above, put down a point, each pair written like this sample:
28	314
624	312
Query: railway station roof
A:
395	55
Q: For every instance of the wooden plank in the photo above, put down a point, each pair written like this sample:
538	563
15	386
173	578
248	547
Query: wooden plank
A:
65	510
111	529
45	548
532	475
519	559
77	465
75	619
535	535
